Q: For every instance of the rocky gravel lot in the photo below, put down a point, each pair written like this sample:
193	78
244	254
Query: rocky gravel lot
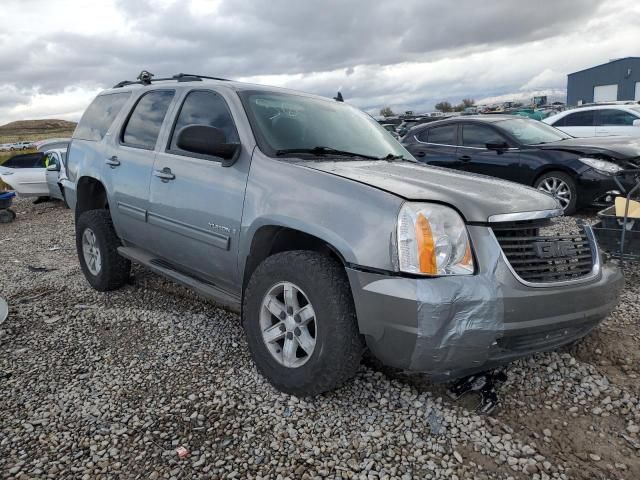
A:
99	385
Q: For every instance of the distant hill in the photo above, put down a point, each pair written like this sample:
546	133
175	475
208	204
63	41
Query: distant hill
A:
35	130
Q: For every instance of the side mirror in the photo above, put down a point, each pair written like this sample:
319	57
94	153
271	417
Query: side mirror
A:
54	167
498	147
207	140
636	123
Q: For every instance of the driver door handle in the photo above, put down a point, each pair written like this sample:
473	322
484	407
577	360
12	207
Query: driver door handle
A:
465	158
165	174
112	161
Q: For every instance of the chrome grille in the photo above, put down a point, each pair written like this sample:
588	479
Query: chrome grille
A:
542	258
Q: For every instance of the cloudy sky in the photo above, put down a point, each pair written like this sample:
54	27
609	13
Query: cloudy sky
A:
57	54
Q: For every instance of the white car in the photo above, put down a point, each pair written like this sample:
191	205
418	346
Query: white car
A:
599	120
28	176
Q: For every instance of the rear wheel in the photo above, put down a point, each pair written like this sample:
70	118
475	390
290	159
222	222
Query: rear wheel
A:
561	187
300	323
97	245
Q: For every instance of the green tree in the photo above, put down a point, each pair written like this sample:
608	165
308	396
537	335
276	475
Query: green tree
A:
444	107
386	112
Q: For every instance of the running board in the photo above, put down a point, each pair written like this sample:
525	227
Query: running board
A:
204	289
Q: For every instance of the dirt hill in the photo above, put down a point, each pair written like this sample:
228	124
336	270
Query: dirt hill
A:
35	130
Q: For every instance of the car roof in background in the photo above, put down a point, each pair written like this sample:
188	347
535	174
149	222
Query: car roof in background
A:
467	118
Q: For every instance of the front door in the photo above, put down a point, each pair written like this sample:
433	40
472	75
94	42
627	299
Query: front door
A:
195	203
611	122
53	163
128	164
477	158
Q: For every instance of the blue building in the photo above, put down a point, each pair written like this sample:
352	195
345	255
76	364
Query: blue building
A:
616	80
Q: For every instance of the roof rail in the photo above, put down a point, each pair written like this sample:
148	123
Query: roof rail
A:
613	102
146	78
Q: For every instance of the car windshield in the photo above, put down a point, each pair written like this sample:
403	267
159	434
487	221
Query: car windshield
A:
288	123
531	132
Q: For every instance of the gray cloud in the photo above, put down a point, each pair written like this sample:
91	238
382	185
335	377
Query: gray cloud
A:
249	38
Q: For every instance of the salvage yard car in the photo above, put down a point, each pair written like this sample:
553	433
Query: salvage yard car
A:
576	171
306	216
36	174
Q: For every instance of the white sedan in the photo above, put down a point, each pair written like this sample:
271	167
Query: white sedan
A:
28	176
599	120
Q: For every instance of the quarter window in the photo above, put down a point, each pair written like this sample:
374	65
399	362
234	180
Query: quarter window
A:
143	126
99	116
445	135
479	135
204	108
610	117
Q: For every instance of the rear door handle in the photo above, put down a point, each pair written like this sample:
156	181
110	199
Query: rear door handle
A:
165	174
465	158
420	154
113	161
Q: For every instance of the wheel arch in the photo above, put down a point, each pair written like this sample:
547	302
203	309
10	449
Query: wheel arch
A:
91	194
271	238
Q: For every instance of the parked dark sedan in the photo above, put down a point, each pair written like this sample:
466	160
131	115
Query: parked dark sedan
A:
576	171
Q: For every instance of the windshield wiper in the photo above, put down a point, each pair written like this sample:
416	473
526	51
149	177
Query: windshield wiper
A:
323	151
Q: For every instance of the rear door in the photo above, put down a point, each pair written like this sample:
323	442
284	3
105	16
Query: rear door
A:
611	122
580	123
128	163
436	145
195	205
477	158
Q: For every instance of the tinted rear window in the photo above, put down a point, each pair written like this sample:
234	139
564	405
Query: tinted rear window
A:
99	116
30	160
578	119
146	119
445	135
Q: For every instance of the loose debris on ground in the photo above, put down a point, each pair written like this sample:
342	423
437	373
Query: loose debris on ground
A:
153	382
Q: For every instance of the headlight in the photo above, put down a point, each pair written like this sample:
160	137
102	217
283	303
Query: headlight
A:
433	240
601	165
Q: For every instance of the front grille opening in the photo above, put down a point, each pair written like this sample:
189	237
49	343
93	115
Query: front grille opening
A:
539	252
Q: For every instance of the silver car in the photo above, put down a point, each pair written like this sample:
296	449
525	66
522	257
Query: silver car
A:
311	220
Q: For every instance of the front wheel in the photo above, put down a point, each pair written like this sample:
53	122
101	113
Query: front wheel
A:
561	187
300	323
97	245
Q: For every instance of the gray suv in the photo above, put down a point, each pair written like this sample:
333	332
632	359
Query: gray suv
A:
312	221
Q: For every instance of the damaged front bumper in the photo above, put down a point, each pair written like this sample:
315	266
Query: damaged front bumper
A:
452	326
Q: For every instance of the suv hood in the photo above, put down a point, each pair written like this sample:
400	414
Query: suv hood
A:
476	197
619	148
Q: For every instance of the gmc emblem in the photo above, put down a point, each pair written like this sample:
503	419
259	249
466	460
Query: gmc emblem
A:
554	249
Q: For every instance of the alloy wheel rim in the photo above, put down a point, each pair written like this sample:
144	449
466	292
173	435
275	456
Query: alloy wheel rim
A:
288	325
558	189
91	252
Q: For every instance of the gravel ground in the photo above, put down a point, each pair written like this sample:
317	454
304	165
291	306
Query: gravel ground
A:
99	385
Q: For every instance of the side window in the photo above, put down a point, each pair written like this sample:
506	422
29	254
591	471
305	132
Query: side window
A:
610	117
204	108
99	116
144	123
422	134
479	135
445	135
579	119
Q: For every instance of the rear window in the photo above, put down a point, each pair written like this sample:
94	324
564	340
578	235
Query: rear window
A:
145	122
99	116
445	135
30	160
578	119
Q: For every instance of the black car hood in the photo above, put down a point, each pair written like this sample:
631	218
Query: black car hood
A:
619	148
476	197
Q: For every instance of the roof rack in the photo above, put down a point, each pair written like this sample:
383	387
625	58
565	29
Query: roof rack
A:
146	78
613	102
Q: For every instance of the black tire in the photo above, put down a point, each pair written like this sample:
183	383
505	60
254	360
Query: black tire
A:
6	216
339	346
64	198
114	271
570	208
